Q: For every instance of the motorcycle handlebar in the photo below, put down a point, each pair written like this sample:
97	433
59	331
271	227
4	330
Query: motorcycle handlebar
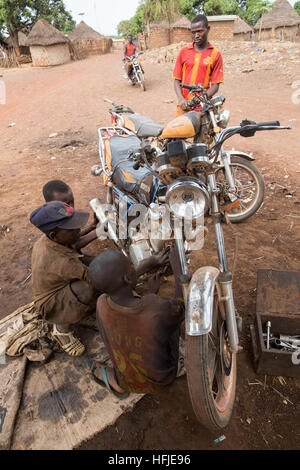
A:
269	123
191	87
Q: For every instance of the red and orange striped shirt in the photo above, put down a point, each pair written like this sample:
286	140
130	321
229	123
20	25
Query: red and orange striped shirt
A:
205	67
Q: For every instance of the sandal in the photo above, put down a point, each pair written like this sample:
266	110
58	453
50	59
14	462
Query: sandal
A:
104	383
73	348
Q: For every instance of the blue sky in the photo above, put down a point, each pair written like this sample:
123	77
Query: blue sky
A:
102	15
105	15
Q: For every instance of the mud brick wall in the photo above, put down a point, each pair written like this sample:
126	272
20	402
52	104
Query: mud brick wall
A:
180	35
221	30
46	56
287	33
159	38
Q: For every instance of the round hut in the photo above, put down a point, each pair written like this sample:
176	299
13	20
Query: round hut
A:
86	41
48	46
181	31
24	49
281	22
241	30
159	35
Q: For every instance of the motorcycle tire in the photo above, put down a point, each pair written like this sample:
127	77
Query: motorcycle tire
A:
240	214
211	383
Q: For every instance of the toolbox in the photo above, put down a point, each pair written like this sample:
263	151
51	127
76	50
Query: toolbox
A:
278	302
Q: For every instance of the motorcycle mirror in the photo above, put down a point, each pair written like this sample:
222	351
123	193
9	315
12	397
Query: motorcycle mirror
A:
96	170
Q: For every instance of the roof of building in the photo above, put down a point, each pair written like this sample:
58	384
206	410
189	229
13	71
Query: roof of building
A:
222	18
240	26
44	34
181	22
281	14
22	40
83	31
161	25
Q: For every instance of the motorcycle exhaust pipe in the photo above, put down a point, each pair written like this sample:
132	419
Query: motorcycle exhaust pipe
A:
98	209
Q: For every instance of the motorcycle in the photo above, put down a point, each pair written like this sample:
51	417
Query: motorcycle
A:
136	72
240	182
183	180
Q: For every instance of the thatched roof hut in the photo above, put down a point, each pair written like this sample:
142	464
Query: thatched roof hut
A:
240	26
48	46
83	31
86	41
161	25
24	49
281	14
22	40
241	30
44	34
159	35
181	22
180	30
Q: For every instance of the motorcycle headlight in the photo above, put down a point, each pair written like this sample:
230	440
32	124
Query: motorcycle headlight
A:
223	119
187	198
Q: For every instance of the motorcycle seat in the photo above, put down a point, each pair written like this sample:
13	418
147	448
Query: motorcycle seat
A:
142	126
138	182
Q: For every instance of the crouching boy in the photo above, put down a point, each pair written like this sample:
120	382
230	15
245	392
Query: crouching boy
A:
140	334
61	285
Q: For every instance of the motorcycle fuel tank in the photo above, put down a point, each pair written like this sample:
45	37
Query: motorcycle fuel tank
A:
183	127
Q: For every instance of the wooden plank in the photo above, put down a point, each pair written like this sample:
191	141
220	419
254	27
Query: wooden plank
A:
12	374
278	292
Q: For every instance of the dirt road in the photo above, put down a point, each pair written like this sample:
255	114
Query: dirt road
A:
68	100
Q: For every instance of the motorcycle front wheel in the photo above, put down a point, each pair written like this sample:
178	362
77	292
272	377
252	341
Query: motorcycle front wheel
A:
249	188
142	82
211	374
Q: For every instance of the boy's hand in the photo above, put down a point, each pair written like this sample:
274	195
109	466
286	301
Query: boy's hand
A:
160	259
154	284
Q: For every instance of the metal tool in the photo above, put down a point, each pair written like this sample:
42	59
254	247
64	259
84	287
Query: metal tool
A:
268	334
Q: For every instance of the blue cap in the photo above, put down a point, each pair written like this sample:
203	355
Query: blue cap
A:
57	214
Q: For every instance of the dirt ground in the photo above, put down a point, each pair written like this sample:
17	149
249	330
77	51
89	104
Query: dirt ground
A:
68	100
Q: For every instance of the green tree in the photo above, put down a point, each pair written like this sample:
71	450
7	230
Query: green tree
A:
297	7
191	8
21	15
255	9
221	7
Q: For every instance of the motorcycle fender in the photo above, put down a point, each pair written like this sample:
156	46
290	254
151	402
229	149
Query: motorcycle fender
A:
237	153
200	301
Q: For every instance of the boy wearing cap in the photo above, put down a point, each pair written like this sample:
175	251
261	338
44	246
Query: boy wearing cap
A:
57	190
61	286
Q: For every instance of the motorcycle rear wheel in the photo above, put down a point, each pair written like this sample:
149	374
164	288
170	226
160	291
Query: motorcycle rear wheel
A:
211	374
250	188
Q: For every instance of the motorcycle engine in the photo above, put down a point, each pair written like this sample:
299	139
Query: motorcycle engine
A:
197	159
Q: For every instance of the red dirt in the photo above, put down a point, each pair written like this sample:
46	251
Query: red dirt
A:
69	100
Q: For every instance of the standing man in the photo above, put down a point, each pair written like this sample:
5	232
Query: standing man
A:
200	62
129	50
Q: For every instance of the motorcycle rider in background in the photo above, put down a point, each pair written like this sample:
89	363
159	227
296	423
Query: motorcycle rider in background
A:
129	50
199	62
